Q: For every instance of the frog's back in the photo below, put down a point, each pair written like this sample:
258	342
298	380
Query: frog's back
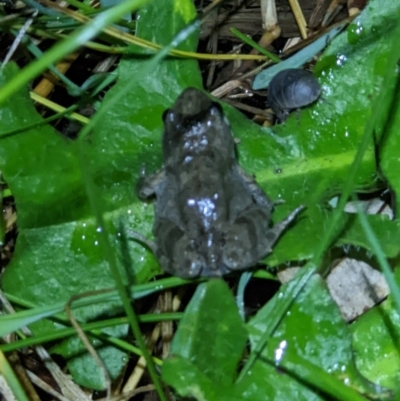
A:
210	216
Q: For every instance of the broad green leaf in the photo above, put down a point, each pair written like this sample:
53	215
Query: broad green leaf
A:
125	125
324	140
314	328
190	381
284	356
304	161
2	224
84	368
211	336
389	144
58	252
12	322
376	343
386	230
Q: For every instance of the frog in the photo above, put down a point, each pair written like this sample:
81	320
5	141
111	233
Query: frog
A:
211	217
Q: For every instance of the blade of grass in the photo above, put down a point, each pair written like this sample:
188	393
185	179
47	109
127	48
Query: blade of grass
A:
61	49
380	255
92	327
97	208
109	254
9	375
146	67
10	323
289	297
113	49
56	107
127	37
81	6
44	10
28	42
286	357
334	225
255	45
38	124
332	230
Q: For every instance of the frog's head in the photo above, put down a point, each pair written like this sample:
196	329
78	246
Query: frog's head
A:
196	126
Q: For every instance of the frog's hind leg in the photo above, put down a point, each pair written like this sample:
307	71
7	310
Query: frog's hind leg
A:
249	238
178	254
259	196
242	238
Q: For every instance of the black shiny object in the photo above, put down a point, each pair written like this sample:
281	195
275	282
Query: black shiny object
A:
292	89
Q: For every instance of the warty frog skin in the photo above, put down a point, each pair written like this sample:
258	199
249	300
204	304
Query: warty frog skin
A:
211	217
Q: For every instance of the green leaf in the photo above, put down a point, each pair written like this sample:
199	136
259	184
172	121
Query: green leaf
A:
304	161
211	336
389	144
135	121
58	252
314	328
312	155
284	356
376	344
386	230
2	224
189	380
82	366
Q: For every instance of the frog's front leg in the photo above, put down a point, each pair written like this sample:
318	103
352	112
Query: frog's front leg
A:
256	192
254	189
147	185
249	238
177	253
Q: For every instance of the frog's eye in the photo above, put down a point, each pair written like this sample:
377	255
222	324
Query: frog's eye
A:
168	116
216	108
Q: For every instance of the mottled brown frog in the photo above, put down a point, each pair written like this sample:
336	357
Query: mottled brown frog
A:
211	218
